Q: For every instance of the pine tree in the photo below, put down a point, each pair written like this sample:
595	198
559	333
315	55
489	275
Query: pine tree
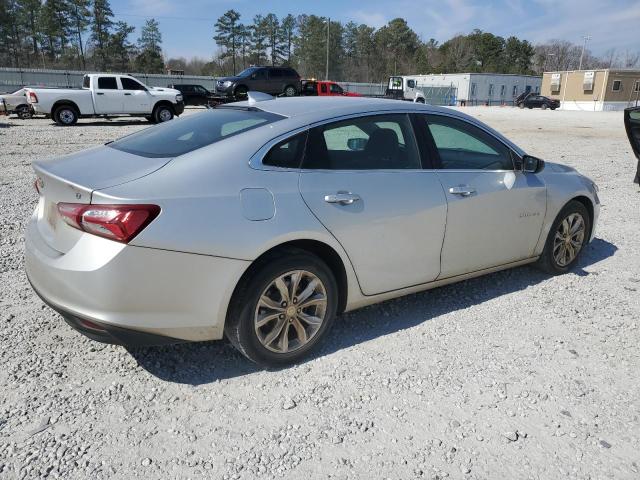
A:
149	59
101	26
80	19
227	30
288	36
272	31
120	48
258	40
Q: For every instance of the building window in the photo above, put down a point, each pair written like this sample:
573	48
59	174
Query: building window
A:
515	90
636	86
617	85
503	88
537	89
473	89
491	89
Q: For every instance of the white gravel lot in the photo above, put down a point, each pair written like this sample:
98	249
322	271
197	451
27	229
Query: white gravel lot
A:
516	375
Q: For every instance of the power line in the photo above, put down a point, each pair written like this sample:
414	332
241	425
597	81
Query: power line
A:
167	17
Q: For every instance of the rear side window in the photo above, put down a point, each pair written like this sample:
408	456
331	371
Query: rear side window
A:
184	135
288	153
107	83
380	142
85	81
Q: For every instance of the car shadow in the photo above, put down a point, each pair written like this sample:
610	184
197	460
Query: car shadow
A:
206	362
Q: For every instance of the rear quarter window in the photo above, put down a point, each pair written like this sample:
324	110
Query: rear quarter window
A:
187	134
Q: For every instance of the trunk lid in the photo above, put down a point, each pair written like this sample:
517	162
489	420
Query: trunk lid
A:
73	178
632	124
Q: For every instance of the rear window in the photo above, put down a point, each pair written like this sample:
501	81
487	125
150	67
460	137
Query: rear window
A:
184	135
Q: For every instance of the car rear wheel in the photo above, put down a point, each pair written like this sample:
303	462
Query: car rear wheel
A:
284	309
521	105
567	237
290	91
162	113
65	115
544	106
23	112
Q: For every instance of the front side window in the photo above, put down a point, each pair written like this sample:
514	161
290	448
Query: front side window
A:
107	83
172	139
130	84
379	142
463	146
335	88
288	153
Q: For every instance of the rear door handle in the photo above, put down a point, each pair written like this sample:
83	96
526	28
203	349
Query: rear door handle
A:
127	94
462	190
343	198
99	93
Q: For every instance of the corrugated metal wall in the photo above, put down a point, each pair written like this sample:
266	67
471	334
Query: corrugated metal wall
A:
13	77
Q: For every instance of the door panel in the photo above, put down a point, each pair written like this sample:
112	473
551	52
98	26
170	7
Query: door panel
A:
632	124
393	233
496	218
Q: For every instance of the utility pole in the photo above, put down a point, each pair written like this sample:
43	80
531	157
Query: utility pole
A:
326	74
586	38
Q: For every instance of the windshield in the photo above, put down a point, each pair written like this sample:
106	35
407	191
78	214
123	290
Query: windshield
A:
184	135
247	71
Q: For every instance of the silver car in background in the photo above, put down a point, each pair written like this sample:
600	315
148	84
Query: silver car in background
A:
263	220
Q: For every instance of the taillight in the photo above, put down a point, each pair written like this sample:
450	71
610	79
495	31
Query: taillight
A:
33	98
115	222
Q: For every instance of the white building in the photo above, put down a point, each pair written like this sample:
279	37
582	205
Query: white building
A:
481	88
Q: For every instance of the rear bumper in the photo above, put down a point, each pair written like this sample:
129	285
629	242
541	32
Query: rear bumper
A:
132	291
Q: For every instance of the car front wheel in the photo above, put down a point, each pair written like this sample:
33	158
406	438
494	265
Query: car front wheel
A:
290	91
284	309
567	237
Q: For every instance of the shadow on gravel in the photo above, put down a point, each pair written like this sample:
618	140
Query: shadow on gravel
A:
206	362
107	123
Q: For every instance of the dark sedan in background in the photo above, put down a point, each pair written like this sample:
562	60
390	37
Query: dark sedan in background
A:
538	101
194	94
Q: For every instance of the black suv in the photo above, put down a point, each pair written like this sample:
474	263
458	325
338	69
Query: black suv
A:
194	94
537	101
272	80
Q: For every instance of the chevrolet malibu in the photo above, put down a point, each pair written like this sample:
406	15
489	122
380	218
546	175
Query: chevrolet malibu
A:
263	220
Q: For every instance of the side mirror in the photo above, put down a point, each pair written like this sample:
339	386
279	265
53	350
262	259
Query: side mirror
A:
356	144
531	164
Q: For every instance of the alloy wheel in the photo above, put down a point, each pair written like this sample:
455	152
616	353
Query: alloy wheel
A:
568	239
165	115
290	311
67	116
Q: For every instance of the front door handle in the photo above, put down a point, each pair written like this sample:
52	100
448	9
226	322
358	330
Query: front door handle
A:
462	190
99	93
127	94
343	198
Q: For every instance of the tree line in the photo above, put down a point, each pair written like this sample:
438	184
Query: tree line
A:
83	34
75	34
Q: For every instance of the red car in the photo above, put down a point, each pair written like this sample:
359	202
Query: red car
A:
325	88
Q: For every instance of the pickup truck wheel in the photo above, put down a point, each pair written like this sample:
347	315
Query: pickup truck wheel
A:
290	91
23	112
65	115
419	100
162	113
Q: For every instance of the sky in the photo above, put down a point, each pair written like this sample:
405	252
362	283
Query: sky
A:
187	25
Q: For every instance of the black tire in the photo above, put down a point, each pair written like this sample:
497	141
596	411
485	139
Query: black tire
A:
553	108
149	118
65	115
162	113
420	100
240	328
23	112
544	106
290	91
521	105
240	93
547	260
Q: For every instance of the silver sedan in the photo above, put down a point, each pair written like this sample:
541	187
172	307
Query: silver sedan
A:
263	220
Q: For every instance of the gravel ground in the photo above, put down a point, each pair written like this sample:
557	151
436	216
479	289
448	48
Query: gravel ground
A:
516	375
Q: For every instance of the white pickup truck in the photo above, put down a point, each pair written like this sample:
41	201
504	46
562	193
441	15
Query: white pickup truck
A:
106	95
